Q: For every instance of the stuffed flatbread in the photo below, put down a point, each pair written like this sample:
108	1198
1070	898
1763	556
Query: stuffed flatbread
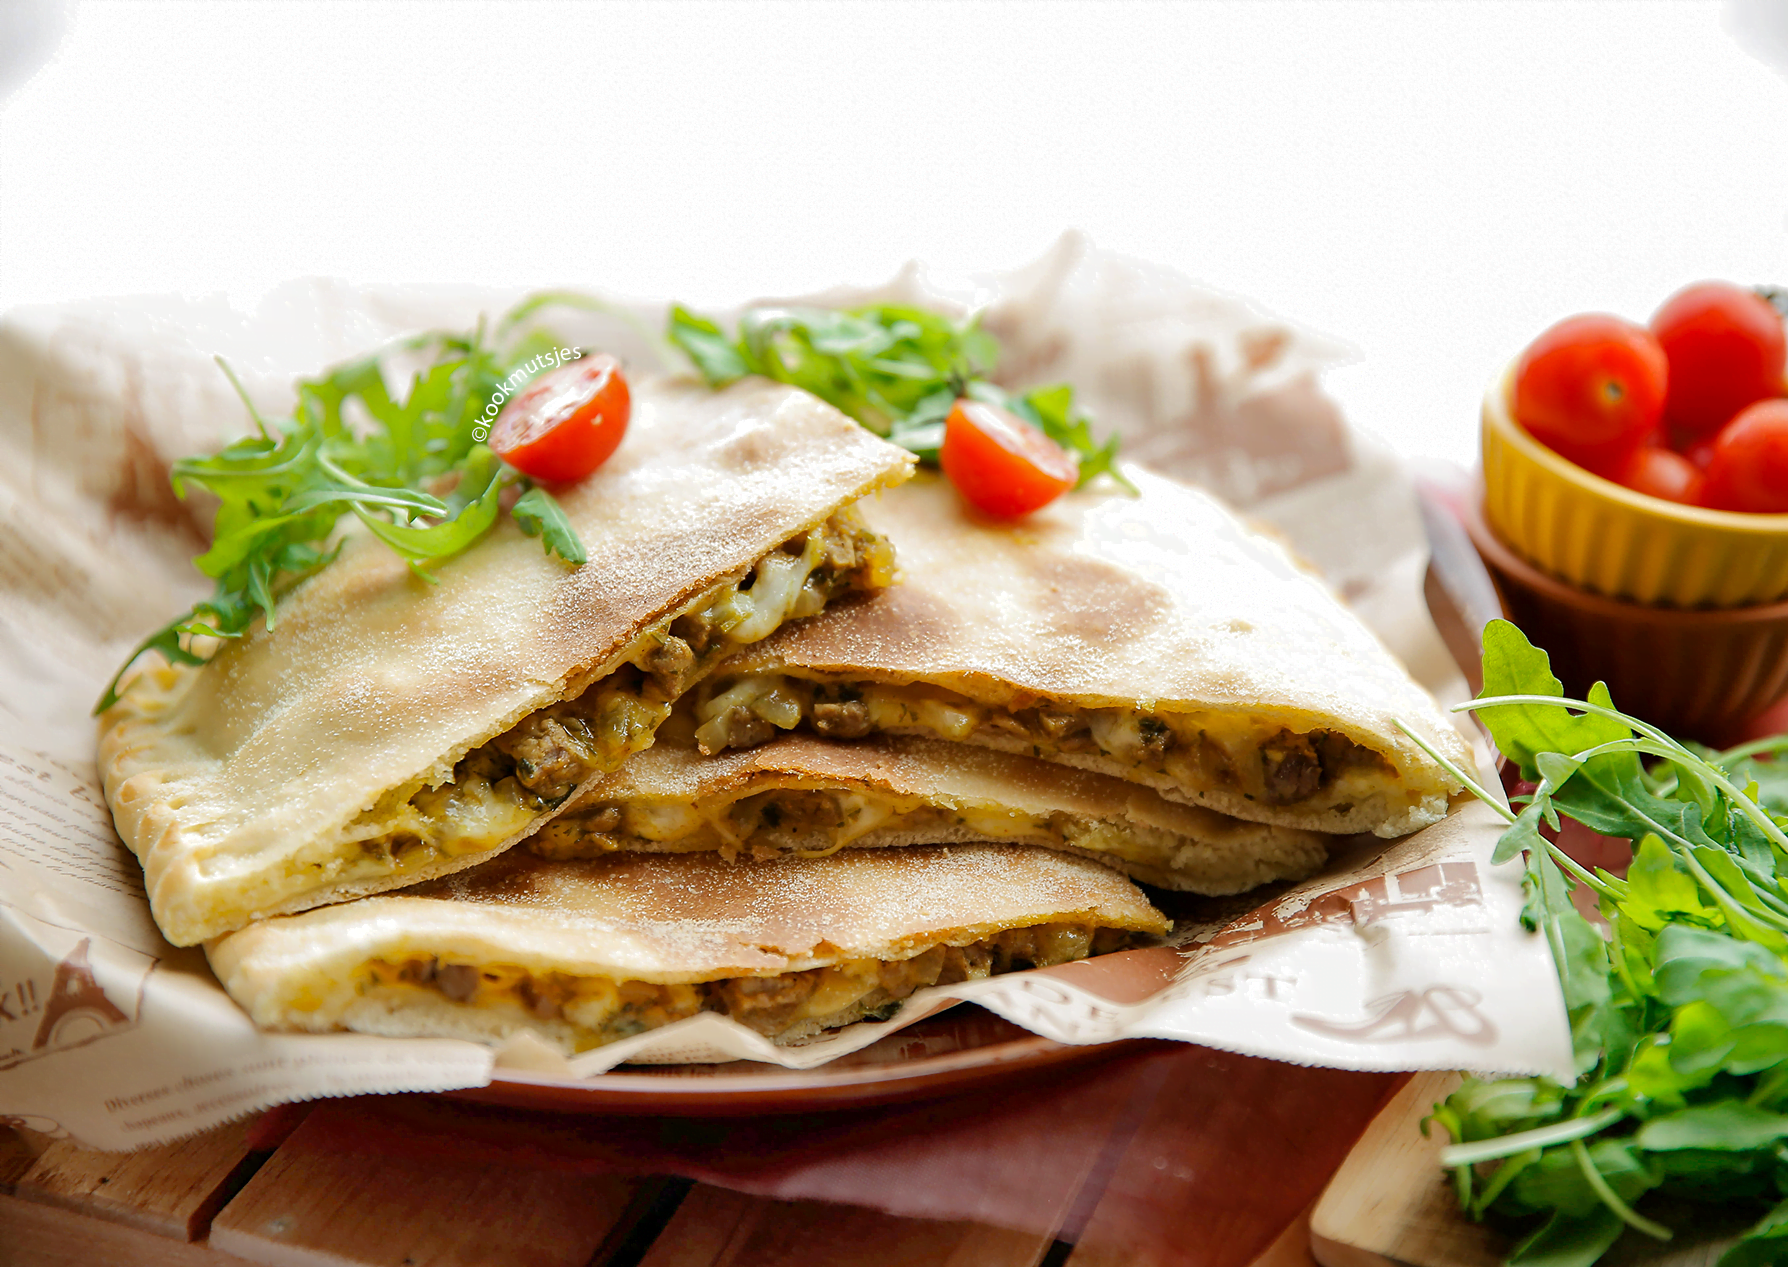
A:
1153	638
389	729
585	953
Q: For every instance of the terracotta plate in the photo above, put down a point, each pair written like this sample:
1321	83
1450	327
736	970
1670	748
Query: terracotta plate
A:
956	1051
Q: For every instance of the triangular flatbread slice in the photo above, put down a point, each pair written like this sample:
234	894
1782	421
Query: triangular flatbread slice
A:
388	729
585	953
1153	638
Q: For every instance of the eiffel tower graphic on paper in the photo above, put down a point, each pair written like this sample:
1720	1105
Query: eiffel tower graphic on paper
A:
75	995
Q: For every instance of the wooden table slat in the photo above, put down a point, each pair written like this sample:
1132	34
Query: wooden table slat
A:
18	1153
314	1204
715	1227
1390	1202
1230	1151
1292	1249
1207	1169
33	1234
173	1189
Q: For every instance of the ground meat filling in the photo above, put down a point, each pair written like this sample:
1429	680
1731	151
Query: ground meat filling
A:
765	1003
1156	739
1054	723
536	764
745	729
762	825
457	981
1287	768
670	664
1290	767
847	719
770	1005
549	759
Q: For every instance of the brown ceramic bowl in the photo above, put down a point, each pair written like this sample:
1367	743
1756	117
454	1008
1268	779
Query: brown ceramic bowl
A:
1699	674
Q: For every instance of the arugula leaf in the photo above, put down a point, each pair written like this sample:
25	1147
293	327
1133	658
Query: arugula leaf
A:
1566	1241
282	490
1558	1180
1579	952
1727	1126
1766	1242
706	344
1679	1016
539	515
1514	666
473	513
897	370
1660	892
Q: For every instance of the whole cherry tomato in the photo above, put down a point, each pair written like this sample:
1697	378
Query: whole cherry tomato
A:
567	422
1001	463
1592	389
1661	473
1726	347
1692	445
1748	469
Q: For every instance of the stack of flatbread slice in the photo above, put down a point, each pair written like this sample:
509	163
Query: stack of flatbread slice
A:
1140	680
699	735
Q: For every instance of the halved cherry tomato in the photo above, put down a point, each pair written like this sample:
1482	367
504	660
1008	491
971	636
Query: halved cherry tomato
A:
567	422
1592	389
1749	466
1001	463
1661	473
1726	347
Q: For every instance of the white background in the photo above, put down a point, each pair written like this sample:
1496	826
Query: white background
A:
1432	183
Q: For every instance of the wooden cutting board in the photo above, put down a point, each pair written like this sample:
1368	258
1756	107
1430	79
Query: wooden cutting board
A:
1391	1205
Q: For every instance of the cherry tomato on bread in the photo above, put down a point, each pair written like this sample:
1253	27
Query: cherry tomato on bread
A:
1726	348
1661	473
1592	389
1001	463
567	422
1748	469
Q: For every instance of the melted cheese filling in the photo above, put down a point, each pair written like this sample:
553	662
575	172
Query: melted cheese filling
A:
813	822
1199	750
488	798
591	1011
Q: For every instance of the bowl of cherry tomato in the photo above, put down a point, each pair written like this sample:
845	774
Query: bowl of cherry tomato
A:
1702	673
1649	463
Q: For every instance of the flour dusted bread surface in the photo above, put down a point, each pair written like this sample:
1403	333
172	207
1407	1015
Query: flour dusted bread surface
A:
654	920
1163	606
243	785
798	792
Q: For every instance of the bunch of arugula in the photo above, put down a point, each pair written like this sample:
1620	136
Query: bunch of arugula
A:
1679	1017
281	489
896	370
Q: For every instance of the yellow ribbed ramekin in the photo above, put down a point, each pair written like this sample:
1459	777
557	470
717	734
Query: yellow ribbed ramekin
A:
1593	533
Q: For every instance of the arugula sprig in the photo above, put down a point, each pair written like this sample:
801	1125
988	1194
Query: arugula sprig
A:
414	472
1679	1016
897	370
